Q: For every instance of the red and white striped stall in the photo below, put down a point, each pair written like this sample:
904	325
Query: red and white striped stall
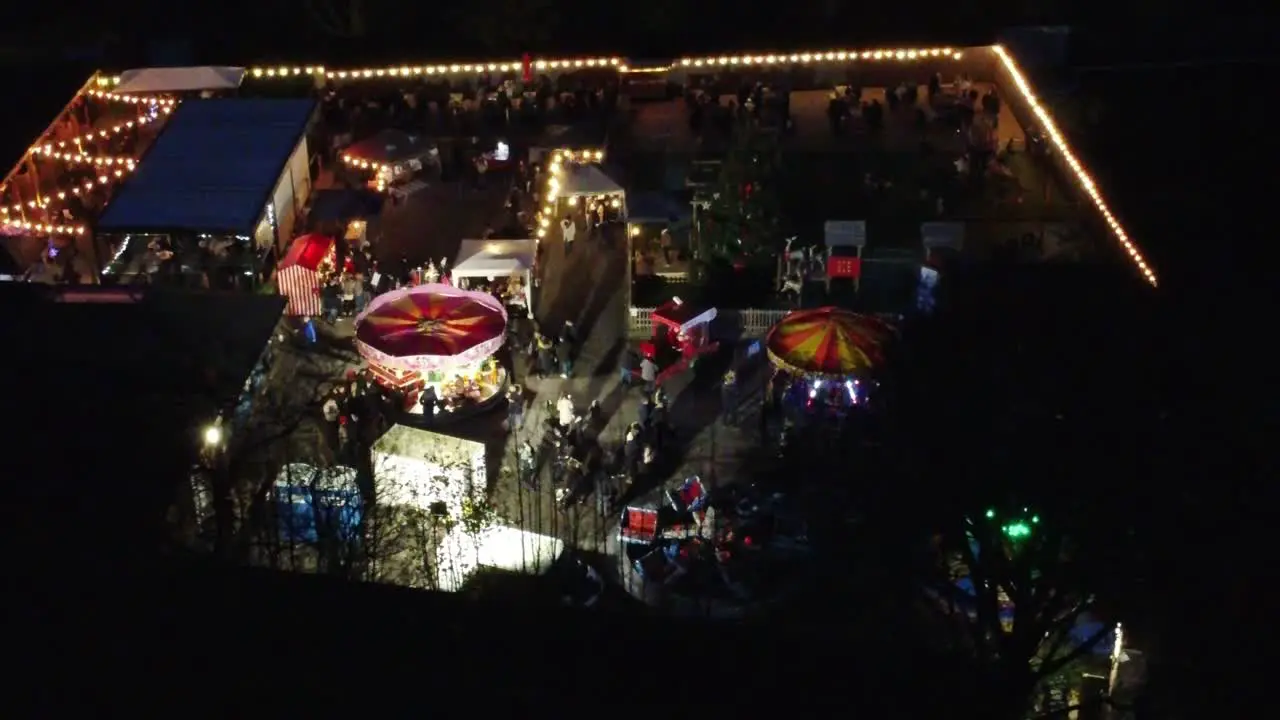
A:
299	275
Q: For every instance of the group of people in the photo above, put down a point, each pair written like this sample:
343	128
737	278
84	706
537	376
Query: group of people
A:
549	357
354	413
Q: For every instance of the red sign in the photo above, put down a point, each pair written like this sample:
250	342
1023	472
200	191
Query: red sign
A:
844	267
526	68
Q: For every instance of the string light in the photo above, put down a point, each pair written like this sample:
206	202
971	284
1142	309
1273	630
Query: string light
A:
407	71
1082	176
44	229
104	132
133	99
555	171
43	204
106	81
829	56
74	158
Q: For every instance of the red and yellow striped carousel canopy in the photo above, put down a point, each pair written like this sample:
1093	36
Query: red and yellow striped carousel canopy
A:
829	341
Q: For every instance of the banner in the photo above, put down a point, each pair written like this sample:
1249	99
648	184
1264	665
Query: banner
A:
526	68
844	267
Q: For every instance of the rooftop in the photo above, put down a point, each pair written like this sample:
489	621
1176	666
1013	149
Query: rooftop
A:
123	381
212	169
1013	85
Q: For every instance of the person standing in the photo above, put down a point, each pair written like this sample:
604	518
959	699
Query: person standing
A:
332	412
729	397
564	356
649	375
569	230
515	408
309	329
627	368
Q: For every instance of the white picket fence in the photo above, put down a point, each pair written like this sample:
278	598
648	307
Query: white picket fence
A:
752	322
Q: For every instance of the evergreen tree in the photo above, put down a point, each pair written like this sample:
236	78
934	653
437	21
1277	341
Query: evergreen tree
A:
742	216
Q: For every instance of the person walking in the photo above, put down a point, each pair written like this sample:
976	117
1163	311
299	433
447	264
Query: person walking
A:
569	231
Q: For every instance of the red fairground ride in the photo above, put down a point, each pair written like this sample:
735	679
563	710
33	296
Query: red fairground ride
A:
681	333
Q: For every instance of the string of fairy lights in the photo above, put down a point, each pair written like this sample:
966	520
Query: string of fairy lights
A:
555	181
70	151
691	63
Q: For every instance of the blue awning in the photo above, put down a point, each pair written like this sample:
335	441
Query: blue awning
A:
212	169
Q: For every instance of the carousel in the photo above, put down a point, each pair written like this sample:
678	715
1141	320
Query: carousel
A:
826	359
436	341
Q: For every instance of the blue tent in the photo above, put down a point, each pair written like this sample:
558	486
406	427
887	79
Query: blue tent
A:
212	169
311	500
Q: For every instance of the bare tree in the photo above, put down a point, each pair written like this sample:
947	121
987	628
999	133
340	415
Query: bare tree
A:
339	18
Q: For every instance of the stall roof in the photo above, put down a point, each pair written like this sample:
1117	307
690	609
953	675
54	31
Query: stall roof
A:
307	251
485	258
589	180
405	441
115	400
336	204
212	169
180	79
391	146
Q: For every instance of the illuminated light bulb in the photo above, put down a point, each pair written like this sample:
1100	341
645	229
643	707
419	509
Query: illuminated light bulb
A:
1024	87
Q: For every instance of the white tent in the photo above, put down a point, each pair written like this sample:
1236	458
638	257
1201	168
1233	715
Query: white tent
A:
588	180
498	258
179	79
416	468
462	552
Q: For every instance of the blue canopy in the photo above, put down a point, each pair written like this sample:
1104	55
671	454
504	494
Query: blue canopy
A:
655	207
212	169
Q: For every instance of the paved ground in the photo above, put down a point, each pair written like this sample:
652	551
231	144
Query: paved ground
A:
431	223
586	286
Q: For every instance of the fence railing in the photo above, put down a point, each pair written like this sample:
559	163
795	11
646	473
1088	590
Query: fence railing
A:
747	322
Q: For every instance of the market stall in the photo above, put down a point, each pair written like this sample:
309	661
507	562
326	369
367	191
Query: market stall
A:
588	186
439	341
828	356
310	261
681	334
344	212
393	156
419	469
463	551
492	260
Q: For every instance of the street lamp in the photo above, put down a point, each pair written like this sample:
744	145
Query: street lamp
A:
212	436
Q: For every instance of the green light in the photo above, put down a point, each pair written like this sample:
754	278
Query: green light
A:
1017	530
1035	519
991	514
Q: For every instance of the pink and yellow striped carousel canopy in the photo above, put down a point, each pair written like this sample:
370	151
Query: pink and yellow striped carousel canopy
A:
430	327
829	342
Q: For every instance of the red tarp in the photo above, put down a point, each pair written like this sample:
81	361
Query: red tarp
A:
307	252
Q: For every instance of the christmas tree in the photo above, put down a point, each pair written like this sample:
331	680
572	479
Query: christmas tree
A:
740	215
